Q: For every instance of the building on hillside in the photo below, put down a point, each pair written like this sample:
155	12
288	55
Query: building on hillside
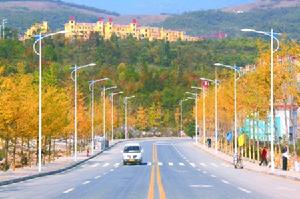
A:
37	28
83	31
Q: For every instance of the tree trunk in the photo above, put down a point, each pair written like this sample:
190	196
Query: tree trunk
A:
6	151
14	153
22	154
28	152
49	150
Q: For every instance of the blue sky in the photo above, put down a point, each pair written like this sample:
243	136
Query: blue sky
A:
157	6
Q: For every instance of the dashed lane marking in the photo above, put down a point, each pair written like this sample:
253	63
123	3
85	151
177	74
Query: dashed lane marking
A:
193	164
213	176
117	165
149	163
97	177
204	172
203	164
244	190
68	190
171	164
181	164
225	181
201	186
105	165
86	182
111	170
160	163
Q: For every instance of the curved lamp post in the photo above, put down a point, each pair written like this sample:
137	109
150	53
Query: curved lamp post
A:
74	73
39	53
104	108
216	82
126	104
271	35
91	87
112	113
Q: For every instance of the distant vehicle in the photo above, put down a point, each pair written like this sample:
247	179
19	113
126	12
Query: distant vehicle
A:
132	153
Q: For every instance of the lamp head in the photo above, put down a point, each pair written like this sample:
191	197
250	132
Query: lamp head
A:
247	30
218	64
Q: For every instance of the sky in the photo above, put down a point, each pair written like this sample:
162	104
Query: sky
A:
157	6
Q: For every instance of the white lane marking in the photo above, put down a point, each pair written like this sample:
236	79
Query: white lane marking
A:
204	172
117	165
160	163
181	164
203	164
171	164
97	177
149	163
225	181
214	165
111	170
105	165
105	173
244	190
199	169
68	190
95	165
82	166
201	186
86	182
193	164
213	176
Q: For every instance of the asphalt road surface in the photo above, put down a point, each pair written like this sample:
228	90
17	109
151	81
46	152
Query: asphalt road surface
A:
172	168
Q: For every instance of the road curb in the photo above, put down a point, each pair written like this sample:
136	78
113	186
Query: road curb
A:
25	178
249	169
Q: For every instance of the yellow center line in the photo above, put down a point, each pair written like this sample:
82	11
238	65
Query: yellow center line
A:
162	193
155	167
151	184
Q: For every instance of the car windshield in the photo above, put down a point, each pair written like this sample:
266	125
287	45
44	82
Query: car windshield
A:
132	149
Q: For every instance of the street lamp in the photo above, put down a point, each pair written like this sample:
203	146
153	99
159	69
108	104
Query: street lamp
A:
112	113
39	53
181	110
91	87
4	21
216	109
196	113
236	69
104	108
74	71
270	34
126	103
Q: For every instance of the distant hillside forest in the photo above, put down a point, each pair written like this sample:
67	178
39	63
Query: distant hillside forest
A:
284	20
158	73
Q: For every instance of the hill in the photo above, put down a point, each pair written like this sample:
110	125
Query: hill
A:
285	20
264	4
22	14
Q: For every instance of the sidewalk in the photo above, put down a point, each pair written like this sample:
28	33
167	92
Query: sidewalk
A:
252	166
57	166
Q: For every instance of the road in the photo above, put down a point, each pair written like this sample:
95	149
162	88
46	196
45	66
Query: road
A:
172	168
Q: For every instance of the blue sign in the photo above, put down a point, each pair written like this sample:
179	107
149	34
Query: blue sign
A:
229	136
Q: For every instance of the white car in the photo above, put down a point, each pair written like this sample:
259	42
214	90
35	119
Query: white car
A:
132	153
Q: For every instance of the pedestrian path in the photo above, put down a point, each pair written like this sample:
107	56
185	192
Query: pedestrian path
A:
247	165
60	163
